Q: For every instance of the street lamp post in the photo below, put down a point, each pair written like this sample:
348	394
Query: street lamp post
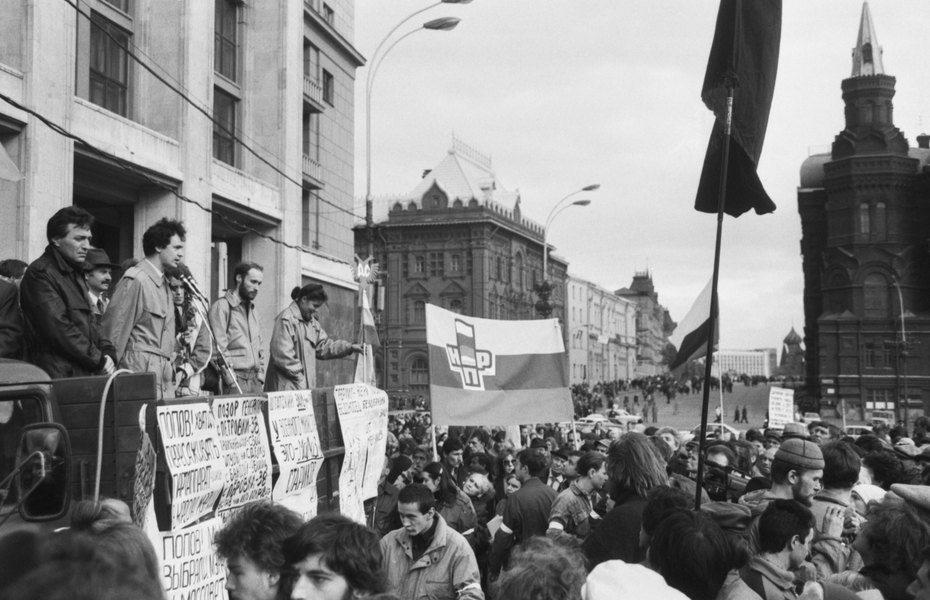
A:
903	352
544	288
443	24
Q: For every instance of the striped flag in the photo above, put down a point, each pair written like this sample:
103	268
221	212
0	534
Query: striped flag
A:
486	372
369	333
690	337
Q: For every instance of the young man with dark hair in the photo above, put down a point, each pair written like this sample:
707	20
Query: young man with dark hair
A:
140	318
453	453
786	529
62	335
421	458
692	553
819	432
573	509
237	330
479	442
334	558
426	557
251	543
840	474
884	468
526	513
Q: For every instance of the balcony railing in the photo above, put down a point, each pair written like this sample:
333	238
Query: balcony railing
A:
313	89
313	169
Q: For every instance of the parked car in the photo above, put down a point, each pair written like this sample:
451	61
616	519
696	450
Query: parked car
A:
856	430
622	417
712	429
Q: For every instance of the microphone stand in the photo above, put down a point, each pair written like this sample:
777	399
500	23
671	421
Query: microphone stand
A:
226	371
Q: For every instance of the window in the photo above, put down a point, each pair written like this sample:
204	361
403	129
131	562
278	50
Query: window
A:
123	5
109	70
329	88
435	264
312	61
456	306
419	371
419	312
418	265
878	400
455	263
875	296
225	39
311	220
405	266
864	218
468	264
311	135
887	356
869	354
499	270
224	114
881	226
519	270
329	15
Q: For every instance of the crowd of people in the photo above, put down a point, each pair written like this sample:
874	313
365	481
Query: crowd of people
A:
68	314
819	516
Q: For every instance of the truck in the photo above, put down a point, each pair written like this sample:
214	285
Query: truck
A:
66	440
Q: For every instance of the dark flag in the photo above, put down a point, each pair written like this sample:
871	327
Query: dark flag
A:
745	55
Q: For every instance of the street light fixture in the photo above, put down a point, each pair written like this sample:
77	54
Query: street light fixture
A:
442	24
544	288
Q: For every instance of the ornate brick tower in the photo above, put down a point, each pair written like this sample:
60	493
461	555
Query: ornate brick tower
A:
864	217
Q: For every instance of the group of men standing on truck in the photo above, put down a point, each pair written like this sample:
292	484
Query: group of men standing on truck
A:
70	323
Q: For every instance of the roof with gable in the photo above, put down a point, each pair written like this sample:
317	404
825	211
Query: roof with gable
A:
867	55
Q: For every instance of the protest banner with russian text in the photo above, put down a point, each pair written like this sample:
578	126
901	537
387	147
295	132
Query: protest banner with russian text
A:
194	461
243	443
363	416
296	444
190	566
781	407
488	372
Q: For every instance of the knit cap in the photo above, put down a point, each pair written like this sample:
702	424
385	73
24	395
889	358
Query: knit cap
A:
800	453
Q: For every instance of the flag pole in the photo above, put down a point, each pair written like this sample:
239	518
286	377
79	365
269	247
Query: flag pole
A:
712	321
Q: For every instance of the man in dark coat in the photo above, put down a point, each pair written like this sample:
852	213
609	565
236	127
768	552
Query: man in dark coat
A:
62	332
11	321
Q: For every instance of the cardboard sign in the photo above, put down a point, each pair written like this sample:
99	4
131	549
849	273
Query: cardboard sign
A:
243	444
194	460
363	415
190	566
781	407
296	444
144	483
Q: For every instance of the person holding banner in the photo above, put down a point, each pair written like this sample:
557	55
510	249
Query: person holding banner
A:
298	341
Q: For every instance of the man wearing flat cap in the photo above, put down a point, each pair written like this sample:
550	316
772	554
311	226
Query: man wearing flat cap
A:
98	273
796	473
298	341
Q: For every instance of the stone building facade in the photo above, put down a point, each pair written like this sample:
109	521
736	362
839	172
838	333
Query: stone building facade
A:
460	241
601	331
279	79
864	217
653	324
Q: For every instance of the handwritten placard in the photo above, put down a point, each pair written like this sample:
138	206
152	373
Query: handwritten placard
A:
243	444
363	415
190	565
194	461
144	483
781	407
296	444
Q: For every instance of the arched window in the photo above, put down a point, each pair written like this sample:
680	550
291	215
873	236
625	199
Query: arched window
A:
455	263
419	264
881	222
456	306
419	372
519	270
864	225
419	312
875	296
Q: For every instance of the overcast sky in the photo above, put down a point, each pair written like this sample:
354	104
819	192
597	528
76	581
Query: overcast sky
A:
563	94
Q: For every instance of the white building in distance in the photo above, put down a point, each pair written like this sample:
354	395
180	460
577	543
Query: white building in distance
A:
746	362
601	333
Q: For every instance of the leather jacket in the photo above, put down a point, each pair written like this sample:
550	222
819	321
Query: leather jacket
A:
64	337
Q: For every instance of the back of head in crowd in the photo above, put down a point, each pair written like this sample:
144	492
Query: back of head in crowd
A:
542	569
312	291
692	553
252	545
333	550
93	516
841	466
535	463
661	501
633	466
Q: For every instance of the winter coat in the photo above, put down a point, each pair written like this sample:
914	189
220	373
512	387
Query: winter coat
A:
64	338
11	321
296	345
446	571
141	323
460	515
238	333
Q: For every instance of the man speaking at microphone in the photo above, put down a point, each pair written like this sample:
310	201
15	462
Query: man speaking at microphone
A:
140	319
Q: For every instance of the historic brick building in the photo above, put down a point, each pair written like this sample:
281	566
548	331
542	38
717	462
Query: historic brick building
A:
653	324
459	240
864	216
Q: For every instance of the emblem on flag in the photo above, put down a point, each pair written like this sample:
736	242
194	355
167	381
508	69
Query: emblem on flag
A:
472	364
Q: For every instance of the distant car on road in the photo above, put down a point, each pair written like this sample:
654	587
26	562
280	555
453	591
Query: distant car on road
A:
810	417
712	429
624	418
857	430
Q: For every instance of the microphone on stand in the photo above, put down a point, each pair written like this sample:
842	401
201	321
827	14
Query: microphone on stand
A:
187	278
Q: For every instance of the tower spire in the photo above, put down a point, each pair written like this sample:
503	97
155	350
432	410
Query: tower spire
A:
867	55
